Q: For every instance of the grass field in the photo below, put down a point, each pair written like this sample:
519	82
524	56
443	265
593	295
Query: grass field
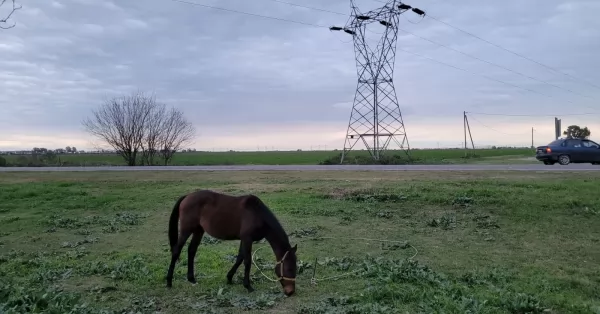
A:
425	156
487	242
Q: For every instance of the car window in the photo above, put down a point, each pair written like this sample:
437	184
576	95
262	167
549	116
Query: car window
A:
590	144
556	143
574	143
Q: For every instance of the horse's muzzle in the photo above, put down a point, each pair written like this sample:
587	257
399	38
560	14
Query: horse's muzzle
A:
288	292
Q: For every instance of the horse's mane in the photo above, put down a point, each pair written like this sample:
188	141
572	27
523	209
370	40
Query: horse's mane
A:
269	218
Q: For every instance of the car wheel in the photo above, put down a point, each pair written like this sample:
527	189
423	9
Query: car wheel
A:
564	159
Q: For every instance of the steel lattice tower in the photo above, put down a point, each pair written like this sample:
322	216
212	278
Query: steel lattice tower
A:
375	117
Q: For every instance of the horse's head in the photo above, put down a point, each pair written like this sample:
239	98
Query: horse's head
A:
285	269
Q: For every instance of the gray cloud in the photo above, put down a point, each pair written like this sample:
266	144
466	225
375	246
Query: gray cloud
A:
232	71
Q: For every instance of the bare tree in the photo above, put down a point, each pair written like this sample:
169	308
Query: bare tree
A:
152	134
137	126
175	133
12	10
121	123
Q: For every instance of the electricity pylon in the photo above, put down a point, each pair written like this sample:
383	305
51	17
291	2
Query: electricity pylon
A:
375	117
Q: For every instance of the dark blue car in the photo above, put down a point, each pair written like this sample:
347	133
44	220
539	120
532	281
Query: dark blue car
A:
569	150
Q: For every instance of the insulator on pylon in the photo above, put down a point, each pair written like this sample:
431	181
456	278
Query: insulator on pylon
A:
404	6
418	11
335	28
363	17
385	23
349	31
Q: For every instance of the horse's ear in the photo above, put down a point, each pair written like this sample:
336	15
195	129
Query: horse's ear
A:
294	248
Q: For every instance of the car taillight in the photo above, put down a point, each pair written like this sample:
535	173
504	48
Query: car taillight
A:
548	150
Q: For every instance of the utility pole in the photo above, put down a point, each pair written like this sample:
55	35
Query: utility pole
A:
466	127
465	130
376	113
532	138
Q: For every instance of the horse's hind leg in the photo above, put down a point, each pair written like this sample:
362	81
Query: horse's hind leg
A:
192	249
236	265
183	236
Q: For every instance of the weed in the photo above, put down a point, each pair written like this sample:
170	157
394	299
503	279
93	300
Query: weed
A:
302	266
75	244
347	219
339	264
9	220
590	211
365	196
462	201
367	160
446	222
305	232
486	222
16	298
133	269
394	246
222	299
519	303
120	222
207	239
384	214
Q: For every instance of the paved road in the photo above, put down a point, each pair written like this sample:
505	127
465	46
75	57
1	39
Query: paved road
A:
517	167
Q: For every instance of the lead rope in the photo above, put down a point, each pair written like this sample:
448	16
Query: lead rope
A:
313	279
255	265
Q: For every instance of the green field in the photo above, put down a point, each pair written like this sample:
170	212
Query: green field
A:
425	156
486	242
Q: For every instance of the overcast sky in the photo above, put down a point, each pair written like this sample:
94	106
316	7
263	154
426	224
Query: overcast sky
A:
249	82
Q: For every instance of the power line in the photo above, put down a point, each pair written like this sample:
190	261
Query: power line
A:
447	47
487	77
534	115
247	13
515	53
488	127
307	7
322	26
494	64
505	49
461	69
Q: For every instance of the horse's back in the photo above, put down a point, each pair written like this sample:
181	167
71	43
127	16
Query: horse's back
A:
220	215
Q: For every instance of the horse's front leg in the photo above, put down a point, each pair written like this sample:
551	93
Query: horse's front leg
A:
247	249
238	261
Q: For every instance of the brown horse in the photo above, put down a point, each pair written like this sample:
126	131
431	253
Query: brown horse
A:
245	218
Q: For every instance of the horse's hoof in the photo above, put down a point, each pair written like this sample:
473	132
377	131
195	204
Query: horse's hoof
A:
169	285
192	280
250	289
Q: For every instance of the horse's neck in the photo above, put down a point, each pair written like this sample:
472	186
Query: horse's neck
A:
278	245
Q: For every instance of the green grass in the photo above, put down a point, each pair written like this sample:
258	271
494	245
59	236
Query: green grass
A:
429	156
494	242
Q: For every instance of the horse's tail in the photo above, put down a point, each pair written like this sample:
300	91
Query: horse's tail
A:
173	223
